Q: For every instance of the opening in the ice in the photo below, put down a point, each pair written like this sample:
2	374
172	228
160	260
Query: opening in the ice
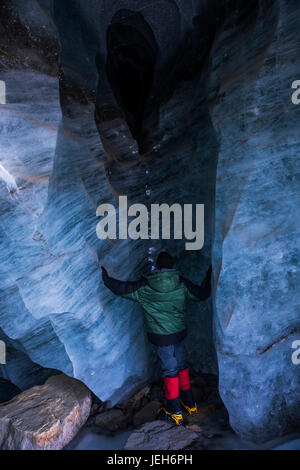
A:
131	58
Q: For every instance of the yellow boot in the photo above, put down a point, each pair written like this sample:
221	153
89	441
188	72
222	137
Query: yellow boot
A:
176	418
188	402
172	412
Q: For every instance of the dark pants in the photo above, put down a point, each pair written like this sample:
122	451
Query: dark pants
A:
172	358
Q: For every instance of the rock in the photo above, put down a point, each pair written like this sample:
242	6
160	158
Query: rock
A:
112	420
204	410
160	435
205	389
95	409
134	402
157	392
212	436
45	417
148	413
194	427
7	390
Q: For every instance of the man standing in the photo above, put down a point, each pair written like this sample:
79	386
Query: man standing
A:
163	296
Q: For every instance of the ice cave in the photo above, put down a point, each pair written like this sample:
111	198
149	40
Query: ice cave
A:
165	101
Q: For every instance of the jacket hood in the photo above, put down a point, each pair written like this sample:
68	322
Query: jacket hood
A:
164	281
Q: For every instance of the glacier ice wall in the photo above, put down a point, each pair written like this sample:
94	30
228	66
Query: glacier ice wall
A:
256	246
66	319
28	124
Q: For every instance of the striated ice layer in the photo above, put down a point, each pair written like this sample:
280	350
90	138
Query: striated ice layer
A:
256	249
28	127
52	310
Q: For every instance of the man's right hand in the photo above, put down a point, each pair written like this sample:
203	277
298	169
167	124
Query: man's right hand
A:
209	272
104	272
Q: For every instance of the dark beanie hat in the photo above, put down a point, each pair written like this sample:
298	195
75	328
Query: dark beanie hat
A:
164	260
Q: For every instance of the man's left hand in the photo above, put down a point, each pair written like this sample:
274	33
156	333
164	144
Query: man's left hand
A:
104	272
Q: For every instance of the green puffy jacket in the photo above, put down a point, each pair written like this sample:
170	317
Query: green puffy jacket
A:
163	296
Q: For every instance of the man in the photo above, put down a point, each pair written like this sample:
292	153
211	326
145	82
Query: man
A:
163	296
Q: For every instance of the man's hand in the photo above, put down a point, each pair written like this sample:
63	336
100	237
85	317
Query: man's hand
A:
104	273
209	272
207	279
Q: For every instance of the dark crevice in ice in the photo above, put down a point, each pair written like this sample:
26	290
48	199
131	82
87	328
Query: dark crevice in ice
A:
131	59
